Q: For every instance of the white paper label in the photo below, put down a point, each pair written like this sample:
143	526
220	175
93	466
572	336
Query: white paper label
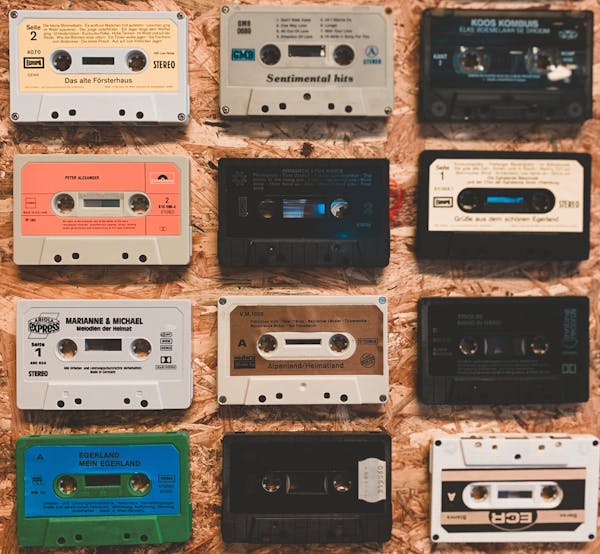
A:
371	480
563	178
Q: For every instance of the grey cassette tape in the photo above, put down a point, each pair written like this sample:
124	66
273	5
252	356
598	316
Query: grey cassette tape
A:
78	209
104	354
514	488
98	66
307	61
302	350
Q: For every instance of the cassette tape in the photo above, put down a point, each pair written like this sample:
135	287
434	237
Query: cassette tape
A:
325	212
519	205
307	61
506	65
98	66
306	487
104	489
302	350
514	488
101	210
104	354
503	350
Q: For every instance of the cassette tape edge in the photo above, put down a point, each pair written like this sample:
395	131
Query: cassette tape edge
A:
101	529
237	386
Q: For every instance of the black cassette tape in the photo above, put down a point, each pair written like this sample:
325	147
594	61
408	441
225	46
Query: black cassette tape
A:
506	65
306	487
511	205
503	350
293	212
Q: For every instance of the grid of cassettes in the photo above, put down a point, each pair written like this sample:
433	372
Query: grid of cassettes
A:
517	508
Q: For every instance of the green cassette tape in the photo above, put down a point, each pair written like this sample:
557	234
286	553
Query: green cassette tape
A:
107	489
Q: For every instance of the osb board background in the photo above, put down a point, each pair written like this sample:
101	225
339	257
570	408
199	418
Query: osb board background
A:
208	138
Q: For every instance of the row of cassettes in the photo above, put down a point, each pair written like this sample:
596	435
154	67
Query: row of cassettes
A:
281	350
303	487
131	67
76	209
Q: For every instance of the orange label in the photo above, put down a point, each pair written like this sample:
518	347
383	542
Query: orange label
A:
101	197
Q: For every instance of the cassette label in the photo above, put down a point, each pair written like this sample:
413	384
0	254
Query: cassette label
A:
98	66
505	488
504	205
306	487
306	60
61	200
506	65
303	212
302	350
86	355
69	486
503	350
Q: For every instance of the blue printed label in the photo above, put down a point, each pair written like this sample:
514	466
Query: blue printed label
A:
46	465
242	54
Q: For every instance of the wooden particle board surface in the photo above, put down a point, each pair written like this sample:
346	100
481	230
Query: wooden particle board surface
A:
208	138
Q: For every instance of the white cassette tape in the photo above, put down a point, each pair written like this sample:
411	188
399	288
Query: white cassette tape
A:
98	66
101	210
104	354
307	60
514	488
302	350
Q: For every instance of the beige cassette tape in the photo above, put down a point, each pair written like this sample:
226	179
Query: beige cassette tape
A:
101	210
302	350
98	66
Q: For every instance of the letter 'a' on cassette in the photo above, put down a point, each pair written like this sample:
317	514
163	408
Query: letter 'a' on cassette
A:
307	61
307	487
73	67
506	65
302	350
104	354
103	490
514	488
72	209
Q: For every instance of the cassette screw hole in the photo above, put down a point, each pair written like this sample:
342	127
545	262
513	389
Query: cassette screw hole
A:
340	208
144	538
326	395
126	400
58	258
438	443
468	346
64	203
344	397
517	456
342	482
222	399
139	115
271	483
348	109
126	536
139	483
435	537
136	60
549	493
72	112
143	258
54	115
382	398
67	484
267	343
78	401
438	108
61	540
121	112
75	255
307	96
139	203
264	108
270	54
591	537
78	537
125	255
279	396
14	14
282	106
494	447
575	110
60	404
262	398
144	403
539	346
343	55
339	342
331	106
479	493
67	349
61	60
141	348
595	443
541	447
